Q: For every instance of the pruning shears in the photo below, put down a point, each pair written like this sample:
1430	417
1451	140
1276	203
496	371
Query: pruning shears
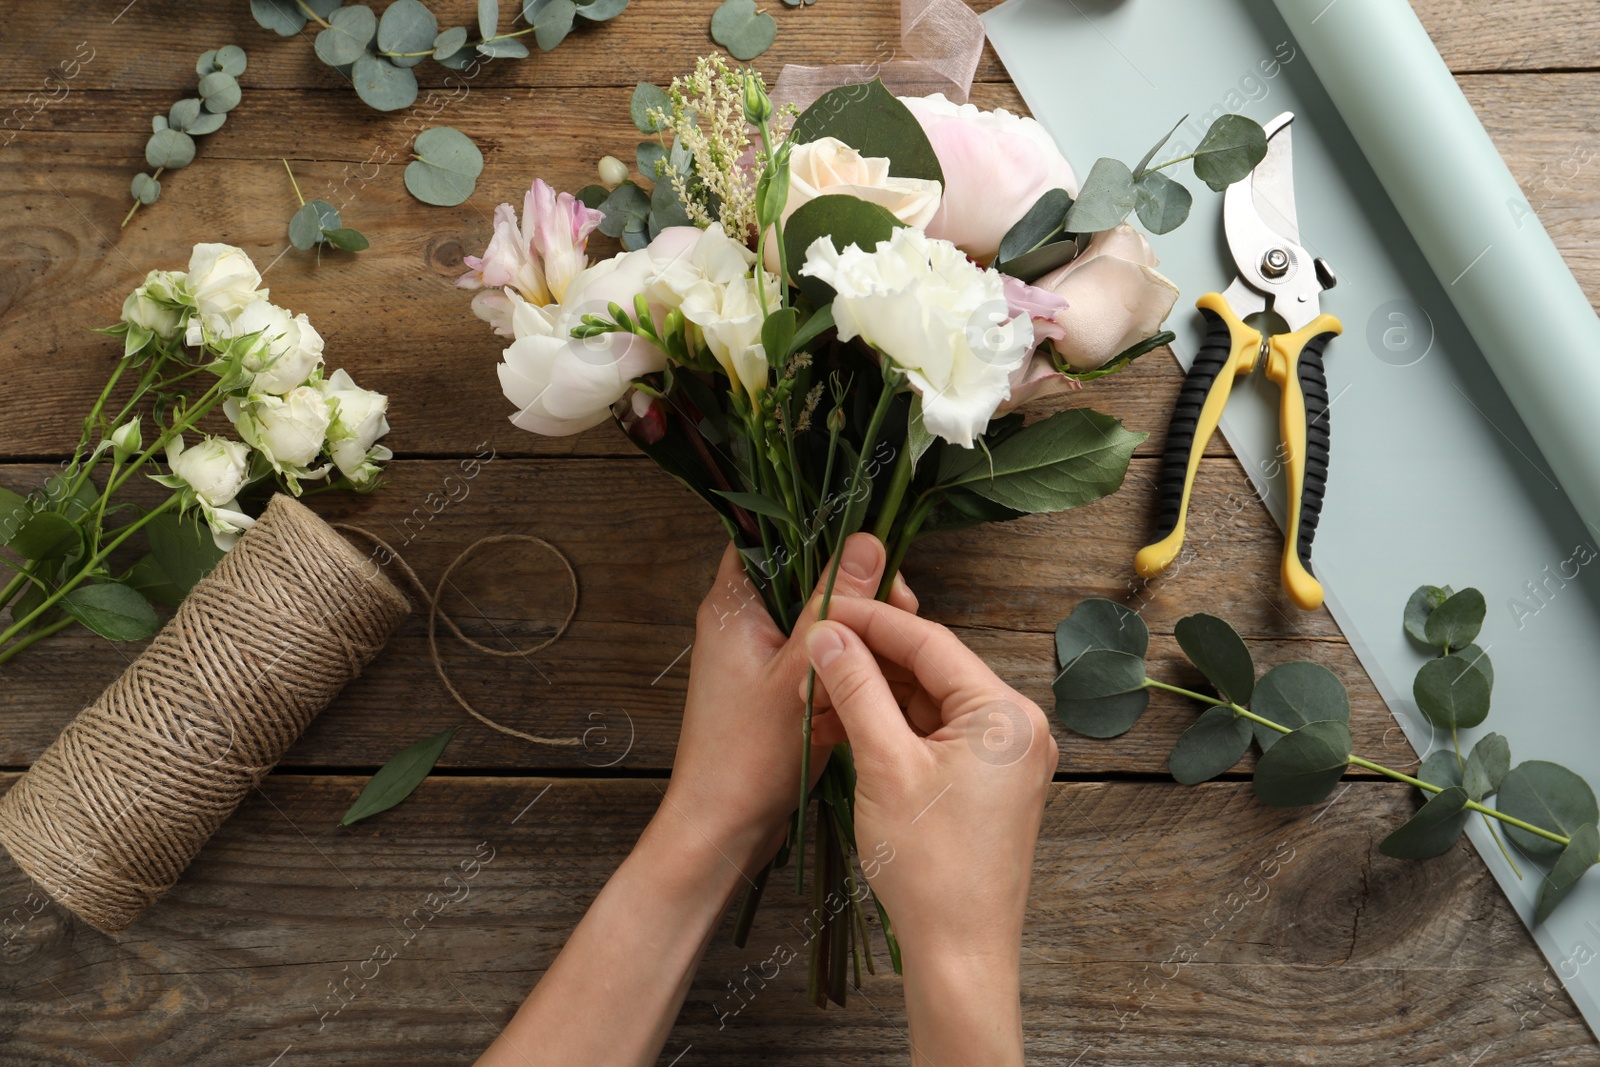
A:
1275	273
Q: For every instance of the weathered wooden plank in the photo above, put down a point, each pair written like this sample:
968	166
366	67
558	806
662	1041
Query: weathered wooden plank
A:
1259	936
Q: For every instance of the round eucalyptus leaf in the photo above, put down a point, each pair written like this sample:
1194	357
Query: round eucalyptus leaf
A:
665	207
592	196
1100	623
382	85
446	169
1441	768
1451	693
170	149
1218	650
1293	694
407	26
1103	716
602	10
158	123
183	113
1213	744
351	240
449	42
742	29
652	160
145	188
1162	203
220	92
503	48
282	17
350	30
307	224
1099	672
1432	830
553	23
206	122
1576	859
1305	765
1479	659
1230	150
1456	622
1548	796
460	59
1487	766
1419	607
206	63
1105	199
645	98
230	59
624	204
488	18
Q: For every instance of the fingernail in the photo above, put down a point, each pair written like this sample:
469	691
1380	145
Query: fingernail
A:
901	587
823	646
860	558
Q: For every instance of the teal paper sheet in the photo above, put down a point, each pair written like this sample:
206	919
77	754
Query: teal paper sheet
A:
1464	331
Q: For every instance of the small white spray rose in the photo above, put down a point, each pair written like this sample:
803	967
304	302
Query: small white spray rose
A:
214	471
289	430
286	354
358	418
127	440
157	305
222	281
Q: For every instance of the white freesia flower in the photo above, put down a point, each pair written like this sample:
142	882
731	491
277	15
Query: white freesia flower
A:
937	316
288	431
828	166
286	354
708	276
157	305
358	419
222	281
213	471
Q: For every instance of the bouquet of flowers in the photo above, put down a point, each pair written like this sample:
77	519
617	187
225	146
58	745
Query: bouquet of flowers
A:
824	322
191	342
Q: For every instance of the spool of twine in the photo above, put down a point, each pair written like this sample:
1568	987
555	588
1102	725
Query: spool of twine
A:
116	808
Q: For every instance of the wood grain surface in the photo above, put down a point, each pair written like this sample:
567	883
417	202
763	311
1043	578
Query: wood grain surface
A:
1299	942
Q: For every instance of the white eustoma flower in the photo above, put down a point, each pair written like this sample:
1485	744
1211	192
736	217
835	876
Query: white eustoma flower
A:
289	430
213	471
359	418
708	276
937	316
222	281
286	354
157	305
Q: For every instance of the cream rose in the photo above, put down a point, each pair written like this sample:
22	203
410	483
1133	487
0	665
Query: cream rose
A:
1115	298
288	430
289	348
359	418
223	281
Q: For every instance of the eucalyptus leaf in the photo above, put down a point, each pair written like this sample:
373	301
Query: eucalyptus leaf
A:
1575	860
1432	831
1220	653
407	26
1419	607
602	10
846	221
1162	203
1100	623
305	228
1451	693
627	201
1549	796
1105	199
113	611
743	29
183	113
665	207
488	18
504	48
1214	743
1102	716
207	122
592	196
1479	659
651	158
220	91
170	149
1295	693
1487	766
449	42
1045	221
1442	768
869	118
206	63
646	97
1030	266
145	188
1305	765
282	17
346	238
553	23
1064	461
230	59
383	86
1100	672
1456	622
1144	161
446	169
398	778
158	123
1230	150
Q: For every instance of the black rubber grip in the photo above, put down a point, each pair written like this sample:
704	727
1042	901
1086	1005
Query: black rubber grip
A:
1314	387
1213	355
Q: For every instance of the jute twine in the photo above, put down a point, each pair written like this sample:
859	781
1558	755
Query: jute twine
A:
112	812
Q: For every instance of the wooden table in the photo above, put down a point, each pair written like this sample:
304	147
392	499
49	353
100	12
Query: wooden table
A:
262	954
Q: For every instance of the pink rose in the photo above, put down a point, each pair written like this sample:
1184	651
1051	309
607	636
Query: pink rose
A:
1115	298
995	164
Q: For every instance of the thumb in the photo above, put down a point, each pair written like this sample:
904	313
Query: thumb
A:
858	691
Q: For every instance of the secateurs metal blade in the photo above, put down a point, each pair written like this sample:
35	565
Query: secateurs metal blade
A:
1275	273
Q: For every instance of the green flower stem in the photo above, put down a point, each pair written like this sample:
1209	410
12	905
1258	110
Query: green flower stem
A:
14	586
1455	743
84	572
867	441
192	415
899	480
1357	761
137	202
908	533
310	14
292	182
38	635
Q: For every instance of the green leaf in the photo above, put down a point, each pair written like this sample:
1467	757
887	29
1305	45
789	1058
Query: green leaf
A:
1576	858
407	26
665	207
384	87
158	123
1219	652
1126	356
147	577
1102	717
1296	693
503	48
206	63
183	548
206	122
626	202
446	169
397	779
1230	149
282	17
1305	765
305	228
1139	168
846	221
113	611
220	91
820	321
488	18
602	10
1487	766
646	97
1441	768
918	439
14	510
1432	830
45	535
1105	199
170	149
1031	266
449	42
592	196
350	30
1162	203
1100	623
1212	745
145	188
868	118
1101	647
1479	659
553	23
1063	461
1100	672
1456	622
182	113
346	238
1451	693
777	332
763	505
1548	796
1419	607
742	29
230	59
1044	222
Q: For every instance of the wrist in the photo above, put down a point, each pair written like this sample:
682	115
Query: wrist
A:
725	851
963	1008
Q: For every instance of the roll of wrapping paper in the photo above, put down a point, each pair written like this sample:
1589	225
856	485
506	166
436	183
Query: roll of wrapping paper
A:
1505	277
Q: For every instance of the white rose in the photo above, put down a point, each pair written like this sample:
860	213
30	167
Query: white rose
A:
1115	298
288	351
288	430
215	470
359	418
127	439
937	316
157	304
828	166
222	281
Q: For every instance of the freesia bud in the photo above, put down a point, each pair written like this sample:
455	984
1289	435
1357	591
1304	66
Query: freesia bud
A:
757	104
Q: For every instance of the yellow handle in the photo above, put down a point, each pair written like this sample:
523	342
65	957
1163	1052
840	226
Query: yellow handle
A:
1284	369
1229	350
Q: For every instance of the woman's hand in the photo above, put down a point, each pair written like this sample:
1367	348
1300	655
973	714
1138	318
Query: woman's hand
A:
736	773
952	772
